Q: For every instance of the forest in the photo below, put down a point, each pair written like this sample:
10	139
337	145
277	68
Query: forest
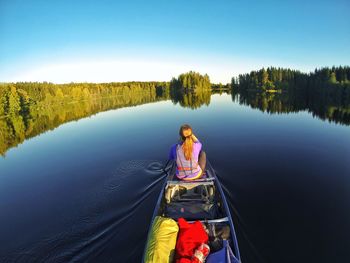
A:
281	79
325	93
191	82
28	109
191	90
21	97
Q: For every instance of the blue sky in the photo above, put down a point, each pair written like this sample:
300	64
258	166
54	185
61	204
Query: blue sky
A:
101	41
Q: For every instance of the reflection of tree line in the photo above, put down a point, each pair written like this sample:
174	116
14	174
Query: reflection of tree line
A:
325	93
193	100
28	109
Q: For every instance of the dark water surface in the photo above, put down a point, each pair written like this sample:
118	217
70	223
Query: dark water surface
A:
85	192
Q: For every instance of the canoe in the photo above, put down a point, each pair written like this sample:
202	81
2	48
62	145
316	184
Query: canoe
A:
202	199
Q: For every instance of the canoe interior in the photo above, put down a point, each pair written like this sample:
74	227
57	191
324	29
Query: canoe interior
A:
203	200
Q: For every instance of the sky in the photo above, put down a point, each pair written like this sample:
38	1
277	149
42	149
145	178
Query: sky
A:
103	41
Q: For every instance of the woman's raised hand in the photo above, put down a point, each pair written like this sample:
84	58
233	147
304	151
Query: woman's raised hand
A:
194	138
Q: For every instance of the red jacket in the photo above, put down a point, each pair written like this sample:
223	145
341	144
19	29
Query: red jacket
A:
190	237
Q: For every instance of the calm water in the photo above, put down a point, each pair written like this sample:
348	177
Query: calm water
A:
86	190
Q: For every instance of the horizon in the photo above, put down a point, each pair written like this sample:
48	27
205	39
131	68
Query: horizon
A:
118	42
202	73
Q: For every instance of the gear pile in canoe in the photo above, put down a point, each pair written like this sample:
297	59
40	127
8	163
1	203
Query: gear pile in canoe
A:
191	223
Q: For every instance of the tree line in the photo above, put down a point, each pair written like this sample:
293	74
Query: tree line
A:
191	82
191	90
272	78
30	108
325	92
18	98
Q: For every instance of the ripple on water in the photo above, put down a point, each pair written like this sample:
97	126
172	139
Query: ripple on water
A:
99	218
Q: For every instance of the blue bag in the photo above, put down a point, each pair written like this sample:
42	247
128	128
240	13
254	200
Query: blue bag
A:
224	255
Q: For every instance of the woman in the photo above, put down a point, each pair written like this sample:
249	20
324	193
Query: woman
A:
190	159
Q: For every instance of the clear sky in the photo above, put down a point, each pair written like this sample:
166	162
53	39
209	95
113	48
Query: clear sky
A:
102	41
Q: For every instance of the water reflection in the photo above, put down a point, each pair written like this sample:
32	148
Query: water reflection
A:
191	99
332	108
16	128
90	187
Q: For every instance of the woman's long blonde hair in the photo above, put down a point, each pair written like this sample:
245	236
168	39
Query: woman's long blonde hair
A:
186	137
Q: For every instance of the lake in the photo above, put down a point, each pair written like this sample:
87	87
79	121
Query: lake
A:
85	191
